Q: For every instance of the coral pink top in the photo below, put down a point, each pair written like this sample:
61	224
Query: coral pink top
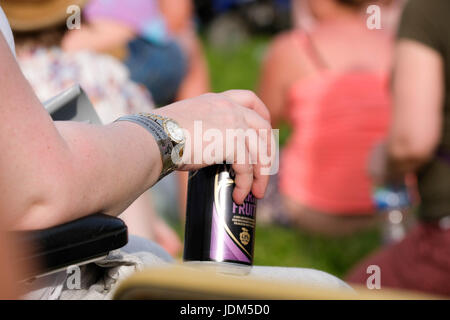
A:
337	119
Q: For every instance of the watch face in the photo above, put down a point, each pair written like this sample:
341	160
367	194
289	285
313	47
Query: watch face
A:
174	130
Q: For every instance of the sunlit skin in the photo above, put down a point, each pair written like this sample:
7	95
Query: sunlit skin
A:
418	93
57	172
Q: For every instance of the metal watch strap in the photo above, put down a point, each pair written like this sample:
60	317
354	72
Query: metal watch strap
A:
163	140
154	117
178	146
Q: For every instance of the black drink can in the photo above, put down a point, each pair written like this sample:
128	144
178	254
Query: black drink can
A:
218	231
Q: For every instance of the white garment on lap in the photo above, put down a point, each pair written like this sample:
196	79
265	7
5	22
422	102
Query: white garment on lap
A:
6	30
99	280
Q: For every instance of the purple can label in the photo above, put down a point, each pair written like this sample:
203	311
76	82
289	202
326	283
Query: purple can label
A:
232	225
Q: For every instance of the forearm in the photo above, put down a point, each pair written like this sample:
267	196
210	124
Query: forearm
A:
281	69
52	173
177	13
418	86
105	169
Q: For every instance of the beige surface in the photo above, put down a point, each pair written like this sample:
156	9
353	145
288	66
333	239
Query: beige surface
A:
180	282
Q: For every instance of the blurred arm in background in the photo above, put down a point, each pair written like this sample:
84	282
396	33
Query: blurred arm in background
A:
418	92
102	35
178	14
391	10
179	19
280	70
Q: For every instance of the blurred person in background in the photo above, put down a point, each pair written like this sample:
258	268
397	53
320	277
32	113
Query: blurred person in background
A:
391	10
50	70
179	21
159	45
419	142
162	49
330	83
136	31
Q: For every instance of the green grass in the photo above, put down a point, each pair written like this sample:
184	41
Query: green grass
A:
277	245
238	68
280	246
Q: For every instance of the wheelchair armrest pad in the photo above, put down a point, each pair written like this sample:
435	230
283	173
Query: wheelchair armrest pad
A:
71	243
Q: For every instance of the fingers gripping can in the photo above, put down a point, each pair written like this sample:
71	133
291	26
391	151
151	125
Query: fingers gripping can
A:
218	231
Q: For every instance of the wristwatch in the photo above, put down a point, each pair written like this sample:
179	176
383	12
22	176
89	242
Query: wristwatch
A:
168	135
176	141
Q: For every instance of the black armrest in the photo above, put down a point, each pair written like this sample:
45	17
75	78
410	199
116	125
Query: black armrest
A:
72	243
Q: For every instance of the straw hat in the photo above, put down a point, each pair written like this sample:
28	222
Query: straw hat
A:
28	15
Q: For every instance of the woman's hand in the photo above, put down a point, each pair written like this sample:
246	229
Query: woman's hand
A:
218	116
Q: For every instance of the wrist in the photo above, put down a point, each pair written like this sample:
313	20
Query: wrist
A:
149	158
167	134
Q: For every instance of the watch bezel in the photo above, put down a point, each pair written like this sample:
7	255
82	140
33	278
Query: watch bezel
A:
165	121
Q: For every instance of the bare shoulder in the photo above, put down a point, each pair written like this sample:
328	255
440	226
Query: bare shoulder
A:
285	51
344	47
382	45
284	45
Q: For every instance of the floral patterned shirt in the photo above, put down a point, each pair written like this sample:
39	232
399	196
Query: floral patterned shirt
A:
104	79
